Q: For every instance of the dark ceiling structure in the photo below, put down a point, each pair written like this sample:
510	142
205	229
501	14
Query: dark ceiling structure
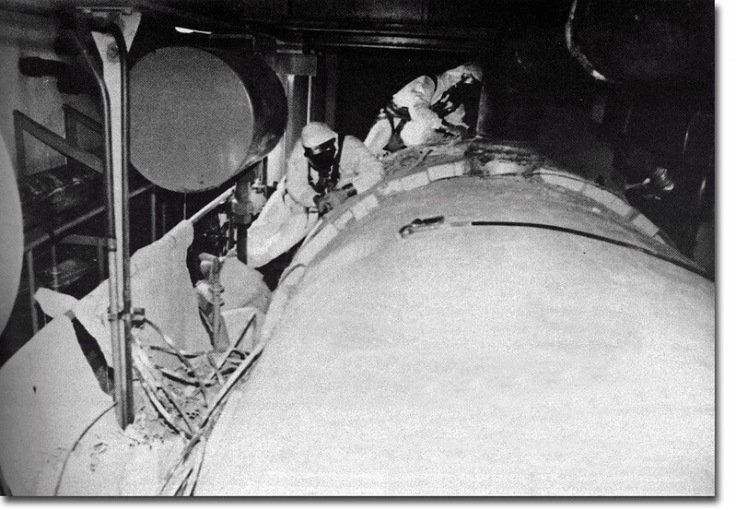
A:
629	40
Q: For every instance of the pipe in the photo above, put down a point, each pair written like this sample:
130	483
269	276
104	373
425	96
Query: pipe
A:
220	199
107	164
576	52
153	214
123	371
117	327
242	212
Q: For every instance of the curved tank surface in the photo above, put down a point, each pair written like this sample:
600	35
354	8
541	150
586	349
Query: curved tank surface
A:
481	322
11	233
199	117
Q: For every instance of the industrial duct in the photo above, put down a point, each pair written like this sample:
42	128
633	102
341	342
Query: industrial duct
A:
199	117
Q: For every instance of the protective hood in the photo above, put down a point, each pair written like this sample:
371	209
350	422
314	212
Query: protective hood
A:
453	76
316	133
449	82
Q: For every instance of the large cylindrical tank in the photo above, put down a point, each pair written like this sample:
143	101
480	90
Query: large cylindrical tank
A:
199	117
480	323
11	233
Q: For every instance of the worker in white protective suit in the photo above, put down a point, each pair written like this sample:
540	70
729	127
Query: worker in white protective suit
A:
324	170
427	108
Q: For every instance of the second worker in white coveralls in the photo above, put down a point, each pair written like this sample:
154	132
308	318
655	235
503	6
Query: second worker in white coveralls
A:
426	107
323	171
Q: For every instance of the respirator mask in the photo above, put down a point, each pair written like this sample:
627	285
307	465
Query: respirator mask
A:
322	156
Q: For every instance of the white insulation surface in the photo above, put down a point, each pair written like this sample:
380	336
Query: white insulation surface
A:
478	361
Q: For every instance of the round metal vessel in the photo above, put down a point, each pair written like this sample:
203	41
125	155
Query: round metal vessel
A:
11	233
199	117
457	333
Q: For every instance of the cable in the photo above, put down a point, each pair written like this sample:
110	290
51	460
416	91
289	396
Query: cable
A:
616	242
181	357
233	347
206	425
177	353
74	446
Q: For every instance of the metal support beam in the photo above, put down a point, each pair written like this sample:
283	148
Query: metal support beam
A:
54	268
112	33
24	124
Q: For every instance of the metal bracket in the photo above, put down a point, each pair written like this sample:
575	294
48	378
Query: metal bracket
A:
138	317
421	225
112	31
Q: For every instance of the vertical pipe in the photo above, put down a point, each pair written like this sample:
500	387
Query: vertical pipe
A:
264	175
32	290
310	85
101	258
20	145
111	44
153	214
242	212
220	339
114	54
54	266
116	332
229	243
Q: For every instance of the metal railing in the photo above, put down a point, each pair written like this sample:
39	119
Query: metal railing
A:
68	146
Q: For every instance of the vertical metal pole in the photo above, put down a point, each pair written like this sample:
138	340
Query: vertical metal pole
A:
153	214
54	266
101	258
32	290
310	86
280	154
242	211
112	45
116	330
20	144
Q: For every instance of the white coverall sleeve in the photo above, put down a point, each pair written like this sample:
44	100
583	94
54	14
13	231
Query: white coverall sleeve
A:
378	136
359	166
417	96
297	178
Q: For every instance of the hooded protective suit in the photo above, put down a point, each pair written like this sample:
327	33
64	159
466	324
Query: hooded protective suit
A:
425	106
294	207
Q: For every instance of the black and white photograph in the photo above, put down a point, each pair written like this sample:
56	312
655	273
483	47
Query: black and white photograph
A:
363	248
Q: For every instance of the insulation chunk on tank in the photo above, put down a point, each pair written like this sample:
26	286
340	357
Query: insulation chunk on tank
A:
414	181
364	206
343	220
446	170
608	199
310	249
565	182
642	223
393	186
